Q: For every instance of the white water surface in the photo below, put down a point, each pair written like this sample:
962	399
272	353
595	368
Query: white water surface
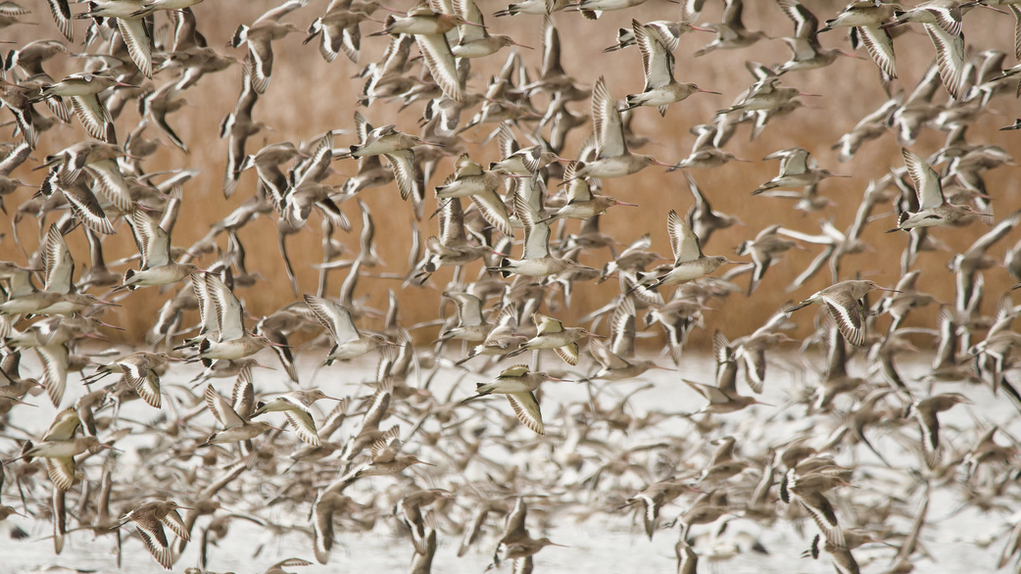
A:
599	538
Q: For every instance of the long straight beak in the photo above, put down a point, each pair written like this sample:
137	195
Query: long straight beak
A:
662	163
810	95
709	92
109	326
625	203
983	5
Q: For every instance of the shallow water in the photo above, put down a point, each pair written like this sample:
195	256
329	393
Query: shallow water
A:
602	543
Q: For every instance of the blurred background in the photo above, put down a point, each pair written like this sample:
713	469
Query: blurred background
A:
308	96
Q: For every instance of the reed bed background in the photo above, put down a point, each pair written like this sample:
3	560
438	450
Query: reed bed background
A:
308	96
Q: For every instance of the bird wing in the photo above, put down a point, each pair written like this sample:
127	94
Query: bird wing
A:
606	119
228	309
55	365
846	312
145	382
136	39
304	426
551	67
713	394
322	525
982	244
403	164
64	425
603	355
926	180
221	409
700	201
526	408
805	23
173	521
379	406
86	207
622	329
111	182
683	240
546	324
207	311
436	53
156	543
948	19
515	371
795	161
657	61
879	45
568	353
468	10
537	233
336	318
822	512
949	57
812	268
153	242
469	309
242	398
57	262
280	11
62	16
801	49
578	188
61	471
493	211
386	447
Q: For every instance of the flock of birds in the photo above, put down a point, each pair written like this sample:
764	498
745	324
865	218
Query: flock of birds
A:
460	463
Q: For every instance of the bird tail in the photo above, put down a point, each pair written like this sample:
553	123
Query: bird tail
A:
203	347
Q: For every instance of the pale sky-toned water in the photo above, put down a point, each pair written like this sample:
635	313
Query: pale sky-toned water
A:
602	543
